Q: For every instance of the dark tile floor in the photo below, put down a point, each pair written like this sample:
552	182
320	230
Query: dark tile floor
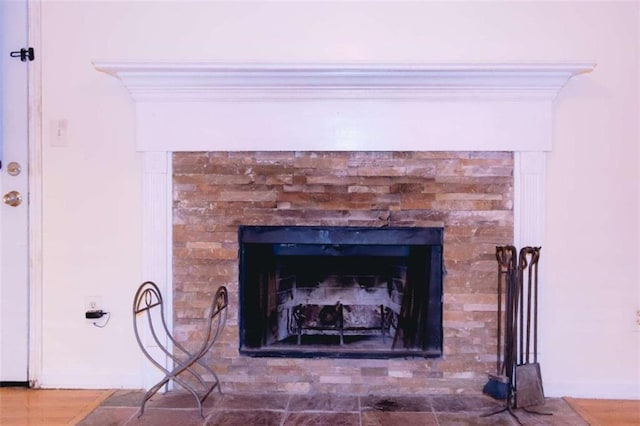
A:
178	408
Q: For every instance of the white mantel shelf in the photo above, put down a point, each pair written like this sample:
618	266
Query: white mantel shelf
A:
322	81
343	107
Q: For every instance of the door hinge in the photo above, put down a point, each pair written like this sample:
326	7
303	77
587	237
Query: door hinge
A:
25	54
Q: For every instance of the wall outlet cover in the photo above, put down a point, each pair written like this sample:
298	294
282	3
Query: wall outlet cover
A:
92	303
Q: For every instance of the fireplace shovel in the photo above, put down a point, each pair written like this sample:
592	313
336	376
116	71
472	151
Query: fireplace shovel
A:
528	383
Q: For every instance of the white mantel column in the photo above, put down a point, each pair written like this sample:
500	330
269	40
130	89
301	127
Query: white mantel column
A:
529	196
157	242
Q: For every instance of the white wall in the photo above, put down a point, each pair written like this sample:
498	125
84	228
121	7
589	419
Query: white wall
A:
92	186
591	340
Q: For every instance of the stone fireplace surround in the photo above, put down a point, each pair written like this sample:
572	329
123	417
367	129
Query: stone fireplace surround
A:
341	108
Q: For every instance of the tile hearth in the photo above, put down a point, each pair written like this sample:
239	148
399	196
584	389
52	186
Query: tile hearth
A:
175	408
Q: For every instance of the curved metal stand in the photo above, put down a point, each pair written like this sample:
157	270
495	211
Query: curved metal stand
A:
506	408
148	307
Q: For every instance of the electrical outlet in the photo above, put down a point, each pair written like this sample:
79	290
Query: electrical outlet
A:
638	318
92	303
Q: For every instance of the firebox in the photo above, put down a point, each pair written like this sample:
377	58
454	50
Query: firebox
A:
340	292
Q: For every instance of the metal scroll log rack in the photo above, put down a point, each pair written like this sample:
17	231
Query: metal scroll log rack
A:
188	369
517	368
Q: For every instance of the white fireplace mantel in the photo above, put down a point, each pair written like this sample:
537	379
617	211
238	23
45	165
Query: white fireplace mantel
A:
344	107
340	107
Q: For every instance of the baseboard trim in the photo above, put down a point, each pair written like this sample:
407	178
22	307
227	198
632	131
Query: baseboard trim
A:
89	380
597	390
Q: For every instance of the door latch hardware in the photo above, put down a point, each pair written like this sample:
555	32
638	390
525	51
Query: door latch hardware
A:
13	168
25	54
12	198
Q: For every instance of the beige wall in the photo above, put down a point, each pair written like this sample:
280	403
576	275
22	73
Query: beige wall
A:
91	200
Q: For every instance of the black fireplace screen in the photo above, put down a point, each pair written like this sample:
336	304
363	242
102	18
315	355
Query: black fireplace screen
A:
340	291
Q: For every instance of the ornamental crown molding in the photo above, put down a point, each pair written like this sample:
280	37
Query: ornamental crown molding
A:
184	81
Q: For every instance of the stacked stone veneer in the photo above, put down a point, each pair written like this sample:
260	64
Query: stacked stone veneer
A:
470	194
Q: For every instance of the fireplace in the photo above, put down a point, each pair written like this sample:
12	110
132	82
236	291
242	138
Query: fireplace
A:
340	291
472	139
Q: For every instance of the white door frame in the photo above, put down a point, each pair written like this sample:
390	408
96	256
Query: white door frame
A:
35	195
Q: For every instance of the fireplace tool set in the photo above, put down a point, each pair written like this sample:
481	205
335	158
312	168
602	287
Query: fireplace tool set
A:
518	380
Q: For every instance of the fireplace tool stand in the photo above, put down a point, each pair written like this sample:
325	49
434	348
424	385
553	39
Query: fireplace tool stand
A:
507	257
511	280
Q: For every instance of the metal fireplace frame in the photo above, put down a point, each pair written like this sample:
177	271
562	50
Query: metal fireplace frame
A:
259	245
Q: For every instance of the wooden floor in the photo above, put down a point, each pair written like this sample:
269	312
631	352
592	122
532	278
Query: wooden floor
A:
20	406
605	412
67	407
